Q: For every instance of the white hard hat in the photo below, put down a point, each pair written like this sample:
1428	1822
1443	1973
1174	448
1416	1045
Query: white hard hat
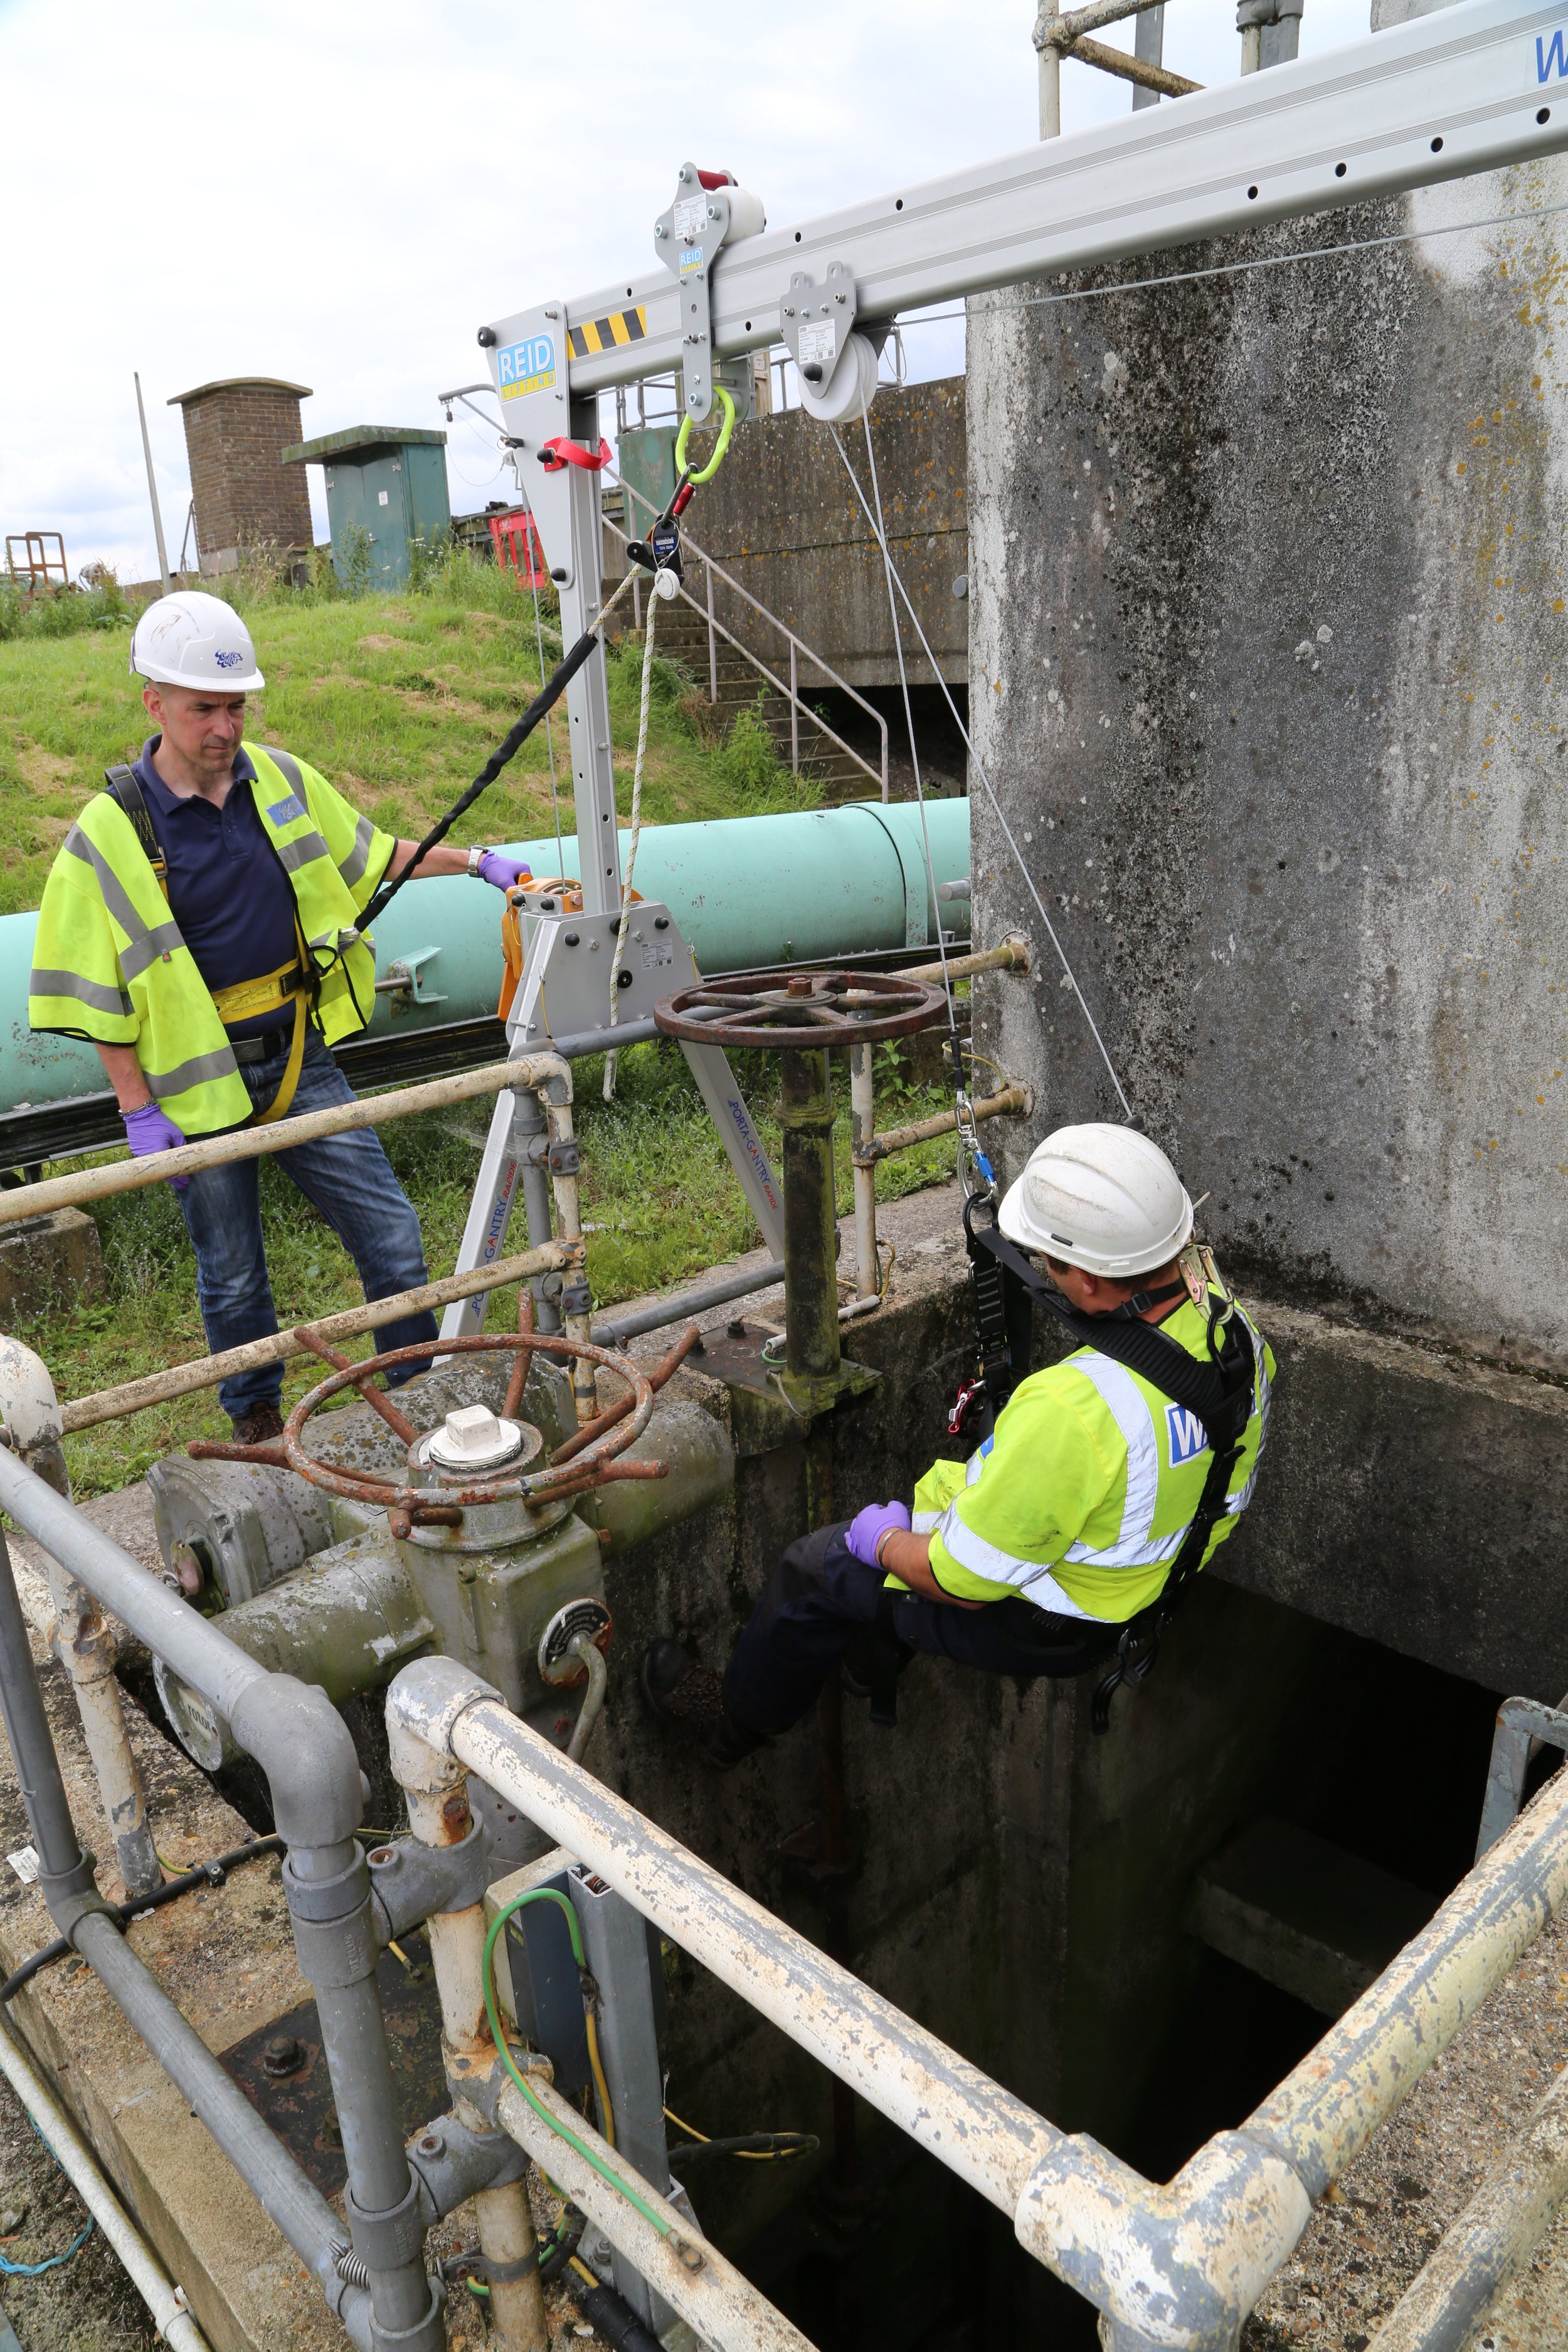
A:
1100	1197
192	639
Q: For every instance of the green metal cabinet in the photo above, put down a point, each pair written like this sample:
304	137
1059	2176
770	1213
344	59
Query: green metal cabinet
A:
645	459
388	481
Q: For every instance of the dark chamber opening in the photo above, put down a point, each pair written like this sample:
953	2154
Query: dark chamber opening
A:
1387	1761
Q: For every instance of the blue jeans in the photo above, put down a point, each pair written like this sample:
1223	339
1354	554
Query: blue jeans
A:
349	1179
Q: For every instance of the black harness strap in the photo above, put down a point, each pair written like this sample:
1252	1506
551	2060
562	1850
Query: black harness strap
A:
1218	1393
886	1660
121	784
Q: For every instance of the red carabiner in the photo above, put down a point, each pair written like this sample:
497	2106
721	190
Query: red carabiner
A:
561	452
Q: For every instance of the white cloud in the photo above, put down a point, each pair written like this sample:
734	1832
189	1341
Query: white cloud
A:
338	194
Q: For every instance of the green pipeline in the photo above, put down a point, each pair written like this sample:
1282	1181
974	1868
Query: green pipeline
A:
745	890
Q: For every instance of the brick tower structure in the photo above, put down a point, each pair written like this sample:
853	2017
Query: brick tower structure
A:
235	432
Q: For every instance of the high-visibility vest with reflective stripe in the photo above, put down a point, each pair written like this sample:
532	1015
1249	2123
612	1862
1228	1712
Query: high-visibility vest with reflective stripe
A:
1082	1497
110	963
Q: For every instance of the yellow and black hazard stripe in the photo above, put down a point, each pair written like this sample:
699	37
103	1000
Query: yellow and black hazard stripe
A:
604	334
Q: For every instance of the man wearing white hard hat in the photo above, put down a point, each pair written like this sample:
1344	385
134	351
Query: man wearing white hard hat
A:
1106	1483
199	925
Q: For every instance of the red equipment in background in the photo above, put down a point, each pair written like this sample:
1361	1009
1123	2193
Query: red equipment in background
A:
518	550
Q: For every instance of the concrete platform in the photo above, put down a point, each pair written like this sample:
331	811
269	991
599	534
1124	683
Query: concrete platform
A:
1366	2242
226	1958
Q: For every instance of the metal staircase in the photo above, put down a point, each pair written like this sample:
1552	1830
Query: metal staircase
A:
700	631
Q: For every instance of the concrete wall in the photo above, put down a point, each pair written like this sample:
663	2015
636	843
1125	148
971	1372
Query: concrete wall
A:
1268	669
780	514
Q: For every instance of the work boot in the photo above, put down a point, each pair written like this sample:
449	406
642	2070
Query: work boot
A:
260	1426
691	1697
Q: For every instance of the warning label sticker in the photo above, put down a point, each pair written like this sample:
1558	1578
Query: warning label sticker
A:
819	344
690	218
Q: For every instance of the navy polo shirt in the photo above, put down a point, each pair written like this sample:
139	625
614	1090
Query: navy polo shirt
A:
227	889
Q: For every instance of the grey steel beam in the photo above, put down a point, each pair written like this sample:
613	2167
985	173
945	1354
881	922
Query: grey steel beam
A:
1458	92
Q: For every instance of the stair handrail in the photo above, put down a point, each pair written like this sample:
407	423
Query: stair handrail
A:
797	645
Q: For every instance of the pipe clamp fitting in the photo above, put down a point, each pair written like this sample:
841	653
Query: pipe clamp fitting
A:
390	2240
319	1900
334	1939
451	2163
427	1697
410	1880
426	2335
479	2078
73	1897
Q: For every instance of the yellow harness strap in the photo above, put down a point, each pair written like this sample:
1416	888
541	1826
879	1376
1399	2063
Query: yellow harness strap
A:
286	985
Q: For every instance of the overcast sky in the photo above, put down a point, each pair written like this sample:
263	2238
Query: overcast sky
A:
338	194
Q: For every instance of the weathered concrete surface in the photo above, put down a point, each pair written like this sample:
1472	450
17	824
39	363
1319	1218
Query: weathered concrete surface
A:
780	514
1376	2229
46	1259
226	1958
1267	609
1414	1495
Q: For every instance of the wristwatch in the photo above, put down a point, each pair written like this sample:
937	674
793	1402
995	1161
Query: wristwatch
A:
480	849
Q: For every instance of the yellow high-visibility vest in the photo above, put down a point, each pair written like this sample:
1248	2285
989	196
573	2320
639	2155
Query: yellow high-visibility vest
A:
109	963
1082	1497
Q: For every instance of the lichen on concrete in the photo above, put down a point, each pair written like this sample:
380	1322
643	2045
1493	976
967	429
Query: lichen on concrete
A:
1265	598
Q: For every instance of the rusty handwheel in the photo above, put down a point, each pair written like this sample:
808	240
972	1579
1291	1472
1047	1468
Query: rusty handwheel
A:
805	1011
590	1455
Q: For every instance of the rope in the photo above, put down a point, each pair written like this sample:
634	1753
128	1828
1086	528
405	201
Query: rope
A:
990	790
613	1056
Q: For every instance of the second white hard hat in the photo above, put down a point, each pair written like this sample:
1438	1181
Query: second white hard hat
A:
196	640
1100	1197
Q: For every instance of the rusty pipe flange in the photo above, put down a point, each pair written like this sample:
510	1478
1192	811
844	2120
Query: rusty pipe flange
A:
805	1011
591	1467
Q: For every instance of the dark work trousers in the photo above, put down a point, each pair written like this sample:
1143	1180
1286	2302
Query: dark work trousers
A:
820	1599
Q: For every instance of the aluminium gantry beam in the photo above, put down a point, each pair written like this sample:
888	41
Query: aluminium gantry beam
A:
1469	88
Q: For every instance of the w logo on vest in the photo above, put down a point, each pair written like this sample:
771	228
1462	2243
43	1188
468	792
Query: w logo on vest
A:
1186	1435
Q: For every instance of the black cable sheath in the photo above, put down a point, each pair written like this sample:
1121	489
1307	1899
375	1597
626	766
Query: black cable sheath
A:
206	1873
510	745
615	2321
748	2144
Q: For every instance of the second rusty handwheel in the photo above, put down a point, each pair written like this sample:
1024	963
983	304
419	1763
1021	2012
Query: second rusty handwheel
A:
803	1010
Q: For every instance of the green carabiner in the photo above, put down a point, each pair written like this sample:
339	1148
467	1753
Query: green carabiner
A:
717	459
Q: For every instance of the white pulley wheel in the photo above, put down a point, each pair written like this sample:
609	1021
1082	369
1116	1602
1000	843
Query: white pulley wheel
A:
665	586
849	389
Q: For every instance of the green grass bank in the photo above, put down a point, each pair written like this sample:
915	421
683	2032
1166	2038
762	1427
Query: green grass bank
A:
399	700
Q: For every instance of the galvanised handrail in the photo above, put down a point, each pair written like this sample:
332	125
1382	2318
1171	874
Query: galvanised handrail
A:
1171	2268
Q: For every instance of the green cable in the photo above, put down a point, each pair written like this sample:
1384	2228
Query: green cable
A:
717	459
661	2221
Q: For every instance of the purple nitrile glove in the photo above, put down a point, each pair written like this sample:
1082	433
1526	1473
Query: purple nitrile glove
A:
498	868
868	1527
149	1128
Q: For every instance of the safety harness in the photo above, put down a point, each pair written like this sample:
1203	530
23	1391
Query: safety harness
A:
291	983
1218	1393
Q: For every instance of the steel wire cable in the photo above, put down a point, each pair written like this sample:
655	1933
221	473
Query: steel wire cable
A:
874	519
914	757
1000	304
